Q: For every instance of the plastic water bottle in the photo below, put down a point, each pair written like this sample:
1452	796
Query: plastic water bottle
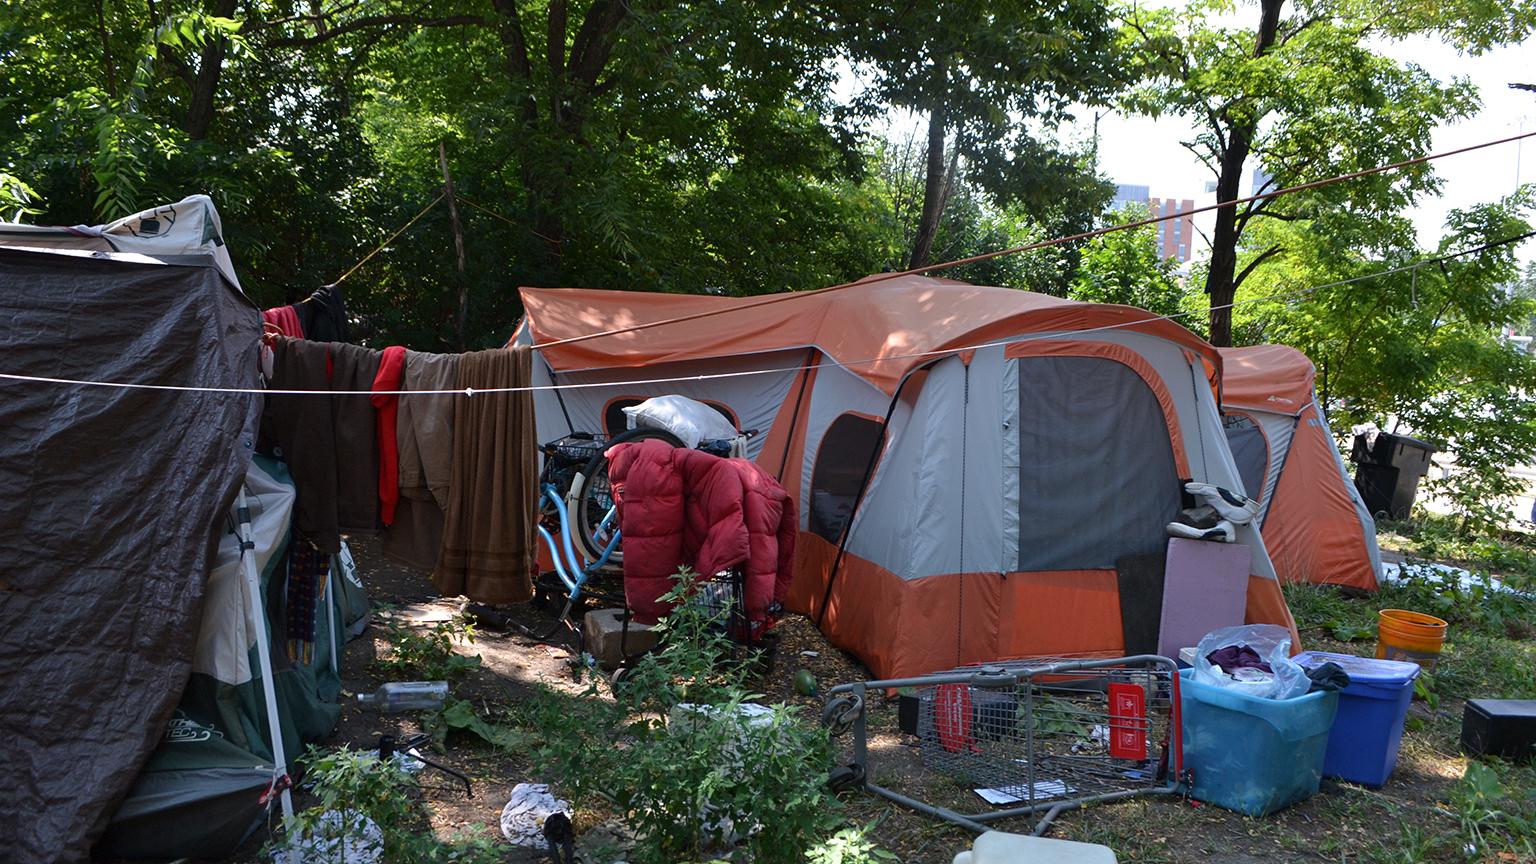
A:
406	696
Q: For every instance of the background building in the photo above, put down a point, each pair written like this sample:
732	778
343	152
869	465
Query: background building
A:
1175	236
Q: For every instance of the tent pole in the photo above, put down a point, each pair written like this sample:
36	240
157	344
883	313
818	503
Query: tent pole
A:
869	471
263	649
330	609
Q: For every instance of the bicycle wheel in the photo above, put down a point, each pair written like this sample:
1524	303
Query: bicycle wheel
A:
592	496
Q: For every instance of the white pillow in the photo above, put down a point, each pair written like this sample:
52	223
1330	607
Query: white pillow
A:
689	419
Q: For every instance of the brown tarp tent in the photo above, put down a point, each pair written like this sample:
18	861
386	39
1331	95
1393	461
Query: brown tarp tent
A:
113	500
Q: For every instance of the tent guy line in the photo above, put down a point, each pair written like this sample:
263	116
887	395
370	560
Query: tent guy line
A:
1291	297
998	253
382	246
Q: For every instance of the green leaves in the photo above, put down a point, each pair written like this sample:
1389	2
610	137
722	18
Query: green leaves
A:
688	778
426	653
459	715
1128	267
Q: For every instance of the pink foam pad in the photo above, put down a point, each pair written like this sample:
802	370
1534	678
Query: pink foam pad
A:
1206	586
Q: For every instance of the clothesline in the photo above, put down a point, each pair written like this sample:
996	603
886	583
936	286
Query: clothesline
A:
1291	298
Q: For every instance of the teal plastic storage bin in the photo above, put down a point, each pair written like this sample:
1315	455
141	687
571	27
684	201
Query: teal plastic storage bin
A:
1253	755
1362	748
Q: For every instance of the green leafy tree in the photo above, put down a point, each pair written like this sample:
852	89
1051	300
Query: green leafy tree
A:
989	77
1302	93
1524	288
1128	267
1407	340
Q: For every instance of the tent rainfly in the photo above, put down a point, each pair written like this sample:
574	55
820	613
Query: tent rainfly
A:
1315	525
969	461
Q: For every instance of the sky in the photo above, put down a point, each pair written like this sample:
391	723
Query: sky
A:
1142	151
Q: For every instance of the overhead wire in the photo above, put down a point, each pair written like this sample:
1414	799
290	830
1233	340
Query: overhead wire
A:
833	361
382	246
881	277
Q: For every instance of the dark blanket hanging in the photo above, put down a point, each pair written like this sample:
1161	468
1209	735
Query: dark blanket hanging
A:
323	316
488	550
329	442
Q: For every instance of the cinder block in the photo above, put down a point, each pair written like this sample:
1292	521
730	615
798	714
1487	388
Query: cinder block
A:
608	641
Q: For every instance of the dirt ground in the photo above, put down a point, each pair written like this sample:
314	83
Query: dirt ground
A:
1343	824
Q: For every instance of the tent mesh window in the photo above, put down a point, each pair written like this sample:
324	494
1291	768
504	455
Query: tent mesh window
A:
1097	477
615	420
841	462
1249	450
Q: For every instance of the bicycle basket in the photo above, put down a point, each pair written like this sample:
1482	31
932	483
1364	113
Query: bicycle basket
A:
563	457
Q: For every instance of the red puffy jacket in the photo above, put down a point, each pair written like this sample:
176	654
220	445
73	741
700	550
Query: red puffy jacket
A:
678	506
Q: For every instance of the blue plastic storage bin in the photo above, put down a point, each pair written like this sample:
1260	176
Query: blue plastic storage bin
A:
1253	755
1363	745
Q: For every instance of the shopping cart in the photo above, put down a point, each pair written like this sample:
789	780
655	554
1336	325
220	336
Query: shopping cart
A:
1028	737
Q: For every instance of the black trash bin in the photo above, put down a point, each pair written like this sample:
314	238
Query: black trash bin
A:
1388	470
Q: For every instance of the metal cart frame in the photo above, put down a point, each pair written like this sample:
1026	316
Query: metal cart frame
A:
845	710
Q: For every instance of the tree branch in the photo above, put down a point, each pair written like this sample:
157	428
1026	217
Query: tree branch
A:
371	21
513	41
555	49
595	40
317	18
1267	253
106	51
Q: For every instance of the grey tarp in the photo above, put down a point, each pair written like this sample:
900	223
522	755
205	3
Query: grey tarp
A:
107	521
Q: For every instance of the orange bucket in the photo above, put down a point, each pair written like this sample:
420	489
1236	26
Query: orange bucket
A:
1411	636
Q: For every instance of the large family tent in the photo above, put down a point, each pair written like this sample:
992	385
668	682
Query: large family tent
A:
136	695
1315	525
970	462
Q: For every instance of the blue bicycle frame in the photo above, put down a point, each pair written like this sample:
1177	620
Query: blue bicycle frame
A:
572	569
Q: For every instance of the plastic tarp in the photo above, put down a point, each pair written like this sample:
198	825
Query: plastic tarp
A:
169	232
113	498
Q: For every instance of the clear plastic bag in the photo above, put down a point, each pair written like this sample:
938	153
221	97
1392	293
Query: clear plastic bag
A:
1273	645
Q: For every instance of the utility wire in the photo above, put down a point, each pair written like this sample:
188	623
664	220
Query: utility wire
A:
1029	247
1290	296
381	247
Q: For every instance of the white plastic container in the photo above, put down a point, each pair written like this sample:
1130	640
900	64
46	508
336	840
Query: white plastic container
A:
997	847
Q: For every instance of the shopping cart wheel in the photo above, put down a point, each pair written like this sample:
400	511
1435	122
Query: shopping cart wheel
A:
846	777
840	714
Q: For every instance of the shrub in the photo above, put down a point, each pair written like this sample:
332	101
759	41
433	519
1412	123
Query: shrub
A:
692	788
427	653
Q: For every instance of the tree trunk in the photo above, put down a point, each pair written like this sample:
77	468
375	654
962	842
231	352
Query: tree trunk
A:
573	73
462	317
933	190
206	86
1220	280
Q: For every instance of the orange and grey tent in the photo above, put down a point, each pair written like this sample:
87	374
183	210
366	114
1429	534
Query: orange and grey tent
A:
1315	525
970	462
